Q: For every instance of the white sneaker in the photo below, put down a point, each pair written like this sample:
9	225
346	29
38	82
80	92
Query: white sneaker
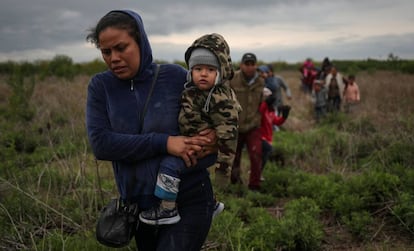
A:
218	208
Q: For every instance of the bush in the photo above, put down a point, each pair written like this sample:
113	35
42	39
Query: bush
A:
277	180
403	211
299	228
19	108
344	204
320	188
374	187
61	66
262	232
359	224
229	227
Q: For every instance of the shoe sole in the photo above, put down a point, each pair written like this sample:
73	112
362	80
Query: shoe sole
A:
163	221
218	210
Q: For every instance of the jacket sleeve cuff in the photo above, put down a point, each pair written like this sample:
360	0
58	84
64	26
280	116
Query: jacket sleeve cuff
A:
160	142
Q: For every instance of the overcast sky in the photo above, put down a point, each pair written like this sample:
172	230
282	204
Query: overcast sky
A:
275	30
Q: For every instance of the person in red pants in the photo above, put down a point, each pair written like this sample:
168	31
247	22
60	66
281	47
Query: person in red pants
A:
248	86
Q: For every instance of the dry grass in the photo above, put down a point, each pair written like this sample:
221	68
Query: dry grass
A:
385	97
54	98
301	117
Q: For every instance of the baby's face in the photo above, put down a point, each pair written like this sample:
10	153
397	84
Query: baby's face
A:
204	76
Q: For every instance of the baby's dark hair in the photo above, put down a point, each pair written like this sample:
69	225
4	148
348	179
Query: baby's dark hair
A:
116	19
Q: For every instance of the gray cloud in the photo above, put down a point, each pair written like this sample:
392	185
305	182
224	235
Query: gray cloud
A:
276	30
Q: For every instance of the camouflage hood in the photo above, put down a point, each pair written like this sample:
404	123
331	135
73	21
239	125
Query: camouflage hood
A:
216	44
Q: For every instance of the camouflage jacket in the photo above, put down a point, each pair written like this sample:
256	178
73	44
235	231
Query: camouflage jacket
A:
222	113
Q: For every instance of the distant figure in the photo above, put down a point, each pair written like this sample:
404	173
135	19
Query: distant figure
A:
334	83
279	84
326	63
320	96
325	69
351	94
309	74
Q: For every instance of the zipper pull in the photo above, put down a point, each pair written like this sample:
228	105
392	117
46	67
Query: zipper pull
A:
132	85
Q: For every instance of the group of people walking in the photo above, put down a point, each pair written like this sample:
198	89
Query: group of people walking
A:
330	90
165	128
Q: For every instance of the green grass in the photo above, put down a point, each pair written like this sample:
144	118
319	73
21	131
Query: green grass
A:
346	182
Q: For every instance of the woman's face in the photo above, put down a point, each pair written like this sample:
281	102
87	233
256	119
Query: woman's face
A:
120	52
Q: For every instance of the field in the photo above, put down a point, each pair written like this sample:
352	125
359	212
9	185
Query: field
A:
345	184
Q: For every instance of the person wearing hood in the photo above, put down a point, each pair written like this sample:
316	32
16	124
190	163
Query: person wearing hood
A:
131	120
248	86
207	102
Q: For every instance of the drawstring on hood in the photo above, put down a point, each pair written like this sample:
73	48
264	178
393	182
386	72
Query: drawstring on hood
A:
215	44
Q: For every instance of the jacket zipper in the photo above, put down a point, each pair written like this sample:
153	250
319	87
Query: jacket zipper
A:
132	84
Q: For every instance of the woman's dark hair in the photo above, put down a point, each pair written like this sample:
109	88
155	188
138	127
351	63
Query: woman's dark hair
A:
115	19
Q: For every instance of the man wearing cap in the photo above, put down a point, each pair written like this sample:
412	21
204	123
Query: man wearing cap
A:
248	86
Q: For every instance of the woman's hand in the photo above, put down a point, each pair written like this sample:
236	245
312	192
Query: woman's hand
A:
192	148
177	146
207	140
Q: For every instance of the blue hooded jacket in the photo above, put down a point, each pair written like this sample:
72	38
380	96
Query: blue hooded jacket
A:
113	112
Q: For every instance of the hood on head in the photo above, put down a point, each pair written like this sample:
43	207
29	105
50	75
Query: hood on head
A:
218	45
145	47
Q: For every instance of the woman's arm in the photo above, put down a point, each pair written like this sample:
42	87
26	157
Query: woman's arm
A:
107	143
192	148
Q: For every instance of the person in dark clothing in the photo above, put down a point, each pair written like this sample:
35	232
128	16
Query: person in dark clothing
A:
138	141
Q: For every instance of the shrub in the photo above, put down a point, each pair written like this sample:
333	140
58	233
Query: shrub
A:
344	204
292	144
374	187
359	223
277	180
19	108
61	66
320	188
229	228
399	152
261	199
403	211
262	232
299	228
